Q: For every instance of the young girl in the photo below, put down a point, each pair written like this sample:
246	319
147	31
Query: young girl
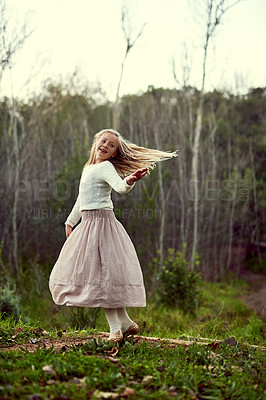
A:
98	265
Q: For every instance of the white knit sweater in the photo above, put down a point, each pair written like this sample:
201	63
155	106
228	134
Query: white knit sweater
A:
96	184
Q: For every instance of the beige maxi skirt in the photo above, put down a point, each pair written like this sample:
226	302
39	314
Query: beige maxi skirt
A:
98	266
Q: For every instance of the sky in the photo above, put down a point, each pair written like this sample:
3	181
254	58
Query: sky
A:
86	36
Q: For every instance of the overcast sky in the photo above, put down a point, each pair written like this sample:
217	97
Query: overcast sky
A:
86	34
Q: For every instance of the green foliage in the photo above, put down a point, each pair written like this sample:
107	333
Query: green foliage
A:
141	216
95	368
9	302
177	285
255	264
82	318
57	129
253	329
14	331
95	346
152	371
220	311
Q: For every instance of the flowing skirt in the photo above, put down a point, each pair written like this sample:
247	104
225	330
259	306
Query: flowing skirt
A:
98	266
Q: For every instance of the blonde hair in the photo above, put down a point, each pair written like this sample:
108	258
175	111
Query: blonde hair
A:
130	157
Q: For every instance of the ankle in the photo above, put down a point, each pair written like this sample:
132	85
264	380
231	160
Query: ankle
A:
126	325
115	329
112	319
125	321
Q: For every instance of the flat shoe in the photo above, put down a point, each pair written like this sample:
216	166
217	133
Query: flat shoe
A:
133	329
116	337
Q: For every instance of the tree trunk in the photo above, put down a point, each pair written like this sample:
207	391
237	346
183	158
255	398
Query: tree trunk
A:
195	181
16	187
256	232
162	201
211	237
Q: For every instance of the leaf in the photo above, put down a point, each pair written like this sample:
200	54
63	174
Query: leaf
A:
83	381
113	359
34	340
147	380
213	346
113	351
128	392
51	382
38	331
172	389
34	396
105	395
236	368
74	380
49	370
215	355
79	382
230	340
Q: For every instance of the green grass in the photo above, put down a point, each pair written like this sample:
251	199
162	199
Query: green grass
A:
157	371
153	372
220	314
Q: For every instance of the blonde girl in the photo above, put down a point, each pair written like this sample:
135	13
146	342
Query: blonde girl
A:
98	265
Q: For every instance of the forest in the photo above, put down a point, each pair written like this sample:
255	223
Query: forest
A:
41	168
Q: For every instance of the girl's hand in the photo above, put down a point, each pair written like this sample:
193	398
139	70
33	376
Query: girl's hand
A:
68	230
136	176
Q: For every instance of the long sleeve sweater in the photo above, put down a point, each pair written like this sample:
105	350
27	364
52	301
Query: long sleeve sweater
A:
96	184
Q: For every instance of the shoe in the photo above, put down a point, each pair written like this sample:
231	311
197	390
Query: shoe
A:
133	329
116	337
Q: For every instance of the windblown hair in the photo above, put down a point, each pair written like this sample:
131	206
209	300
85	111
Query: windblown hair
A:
130	157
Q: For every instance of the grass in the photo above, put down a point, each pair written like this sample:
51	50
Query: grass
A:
220	314
98	369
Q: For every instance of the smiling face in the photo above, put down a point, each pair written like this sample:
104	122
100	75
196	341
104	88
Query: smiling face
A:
106	147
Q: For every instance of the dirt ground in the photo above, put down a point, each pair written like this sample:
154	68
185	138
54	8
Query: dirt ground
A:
68	340
256	298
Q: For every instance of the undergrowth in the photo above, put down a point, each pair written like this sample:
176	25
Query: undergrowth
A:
98	369
220	313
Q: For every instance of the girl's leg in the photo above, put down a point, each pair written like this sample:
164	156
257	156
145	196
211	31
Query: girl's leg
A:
125	321
113	321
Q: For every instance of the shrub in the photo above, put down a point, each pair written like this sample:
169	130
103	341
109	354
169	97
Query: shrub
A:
177	286
9	302
80	318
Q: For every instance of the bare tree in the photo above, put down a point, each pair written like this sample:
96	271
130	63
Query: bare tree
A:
185	124
255	238
215	11
12	41
162	199
131	40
